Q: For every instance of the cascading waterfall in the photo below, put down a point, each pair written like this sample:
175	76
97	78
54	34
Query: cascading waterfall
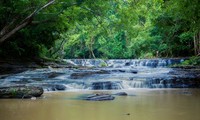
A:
151	73
126	62
106	75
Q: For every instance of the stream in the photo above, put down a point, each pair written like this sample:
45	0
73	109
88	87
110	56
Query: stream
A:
114	75
155	91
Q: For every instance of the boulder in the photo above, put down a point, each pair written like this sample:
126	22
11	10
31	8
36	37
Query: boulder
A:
22	81
127	63
20	92
53	87
87	73
121	94
99	97
107	85
134	71
60	87
54	74
125	71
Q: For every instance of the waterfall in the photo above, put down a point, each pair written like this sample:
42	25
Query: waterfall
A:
108	75
118	63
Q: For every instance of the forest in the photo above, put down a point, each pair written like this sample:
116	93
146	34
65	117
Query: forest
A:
108	29
99	59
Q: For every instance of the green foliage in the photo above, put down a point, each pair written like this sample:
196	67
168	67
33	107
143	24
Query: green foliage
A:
36	39
147	56
103	64
101	28
195	60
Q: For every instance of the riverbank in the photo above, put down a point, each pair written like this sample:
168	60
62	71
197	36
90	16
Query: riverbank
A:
12	66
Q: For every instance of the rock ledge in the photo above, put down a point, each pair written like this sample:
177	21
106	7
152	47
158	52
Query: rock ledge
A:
20	92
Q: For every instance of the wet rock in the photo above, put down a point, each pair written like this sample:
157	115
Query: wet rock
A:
54	87
60	87
20	92
134	71
131	78
99	97
127	63
107	85
127	114
37	79
185	92
124	71
86	73
121	94
3	76
54	74
22	81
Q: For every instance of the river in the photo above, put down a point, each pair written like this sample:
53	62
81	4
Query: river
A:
145	104
155	92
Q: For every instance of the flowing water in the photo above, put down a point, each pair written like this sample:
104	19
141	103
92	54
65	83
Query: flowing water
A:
142	104
150	85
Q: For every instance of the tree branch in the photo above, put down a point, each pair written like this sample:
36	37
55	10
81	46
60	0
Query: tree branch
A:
6	36
23	23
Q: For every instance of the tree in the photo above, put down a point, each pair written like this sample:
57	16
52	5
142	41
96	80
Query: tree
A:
18	22
29	26
187	11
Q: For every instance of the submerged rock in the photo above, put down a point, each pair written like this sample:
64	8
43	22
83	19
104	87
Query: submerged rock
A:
20	92
121	94
87	73
134	71
107	85
54	74
53	87
99	97
125	71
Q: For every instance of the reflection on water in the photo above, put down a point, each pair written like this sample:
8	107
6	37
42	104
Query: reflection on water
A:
171	104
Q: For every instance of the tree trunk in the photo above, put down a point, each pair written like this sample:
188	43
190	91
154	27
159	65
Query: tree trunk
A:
58	50
197	44
91	47
6	33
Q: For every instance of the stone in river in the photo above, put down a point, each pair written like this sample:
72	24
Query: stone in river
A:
54	74
20	92
79	75
99	97
107	85
121	94
53	87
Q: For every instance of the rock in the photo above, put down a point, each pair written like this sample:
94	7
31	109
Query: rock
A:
3	76
106	85
20	92
131	78
127	114
124	71
53	87
33	98
87	73
60	87
54	74
99	97
127	63
134	71
121	94
22	81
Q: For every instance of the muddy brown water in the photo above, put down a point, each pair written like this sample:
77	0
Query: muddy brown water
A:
143	104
